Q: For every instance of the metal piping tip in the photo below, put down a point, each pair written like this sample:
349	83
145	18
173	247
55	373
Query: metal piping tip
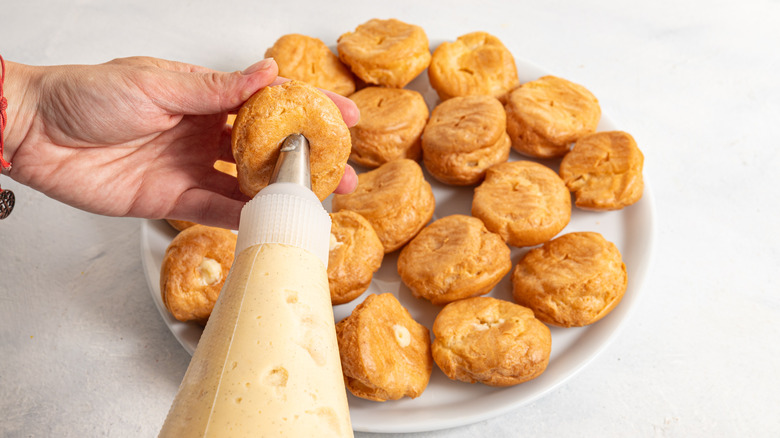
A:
293	162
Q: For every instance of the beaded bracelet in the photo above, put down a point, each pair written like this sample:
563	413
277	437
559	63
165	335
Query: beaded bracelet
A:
3	117
7	199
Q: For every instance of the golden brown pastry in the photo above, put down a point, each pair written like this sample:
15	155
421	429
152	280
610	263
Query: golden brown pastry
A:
523	201
308	59
573	280
475	63
491	341
464	136
389	53
455	257
226	167
390	126
604	171
355	254
179	225
385	354
394	198
544	117
194	269
274	113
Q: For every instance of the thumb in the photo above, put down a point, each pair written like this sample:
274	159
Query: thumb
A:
211	92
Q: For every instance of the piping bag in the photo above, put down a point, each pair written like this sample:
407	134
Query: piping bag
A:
268	362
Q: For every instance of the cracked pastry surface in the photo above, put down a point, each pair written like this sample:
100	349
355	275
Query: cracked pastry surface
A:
475	63
525	202
308	59
389	52
394	198
270	116
385	354
464	136
391	124
491	341
193	270
455	257
604	171
573	280
544	117
355	254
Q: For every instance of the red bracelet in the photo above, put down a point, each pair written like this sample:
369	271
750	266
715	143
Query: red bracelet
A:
7	199
3	117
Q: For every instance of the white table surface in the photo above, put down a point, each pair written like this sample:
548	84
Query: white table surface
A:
84	352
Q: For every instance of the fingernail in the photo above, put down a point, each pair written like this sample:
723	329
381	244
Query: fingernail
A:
265	64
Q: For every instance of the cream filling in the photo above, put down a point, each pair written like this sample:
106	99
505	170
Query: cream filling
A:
334	242
267	363
402	335
209	272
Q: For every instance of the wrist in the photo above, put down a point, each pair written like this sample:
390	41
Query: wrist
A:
19	91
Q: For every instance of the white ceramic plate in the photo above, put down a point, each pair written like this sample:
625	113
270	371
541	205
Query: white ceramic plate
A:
447	403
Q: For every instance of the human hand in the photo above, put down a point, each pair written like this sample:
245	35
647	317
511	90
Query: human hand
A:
136	136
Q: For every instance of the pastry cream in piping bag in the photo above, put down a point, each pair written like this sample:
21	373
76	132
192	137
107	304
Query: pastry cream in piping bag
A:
268	363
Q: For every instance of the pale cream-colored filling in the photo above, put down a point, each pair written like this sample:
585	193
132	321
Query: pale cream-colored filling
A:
267	363
402	335
334	242
209	272
484	325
